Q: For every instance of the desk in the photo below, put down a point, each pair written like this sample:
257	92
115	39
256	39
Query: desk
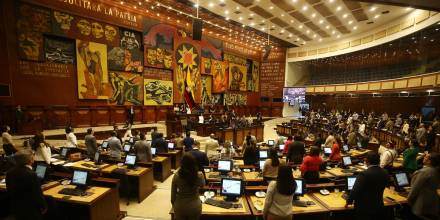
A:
337	172
45	186
257	205
141	178
161	168
175	157
214	176
254	177
102	204
357	153
79	165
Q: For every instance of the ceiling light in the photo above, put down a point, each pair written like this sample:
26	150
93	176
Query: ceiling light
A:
376	16
227	12
327	27
271	7
297	38
196	5
350	22
407	9
240	18
355	28
211	4
273	26
300	27
308	31
263	28
251	15
320	39
338	36
290	35
237	8
339	8
294	1
282	31
282	15
314	36
321	21
122	2
313	15
373	8
305	8
291	21
333	32
345	16
331	1
227	19
252	24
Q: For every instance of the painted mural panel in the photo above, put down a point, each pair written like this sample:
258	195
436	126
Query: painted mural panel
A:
187	69
125	88
158	57
59	50
206	89
237	77
219	71
235	99
158	92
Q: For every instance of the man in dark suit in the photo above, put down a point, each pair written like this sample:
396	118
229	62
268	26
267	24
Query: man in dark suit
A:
188	141
367	192
296	151
201	157
160	144
27	201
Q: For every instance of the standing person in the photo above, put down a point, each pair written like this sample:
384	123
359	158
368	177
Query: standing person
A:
71	138
27	200
336	150
142	149
272	164
153	133
130	116
423	197
367	192
296	151
311	164
250	154
8	145
160	144
430	139
286	145
211	146
388	156
330	140
279	196
185	190
227	151
90	141
200	156
410	156
41	149
114	146
188	141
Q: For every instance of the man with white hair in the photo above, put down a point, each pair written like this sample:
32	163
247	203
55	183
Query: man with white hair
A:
211	146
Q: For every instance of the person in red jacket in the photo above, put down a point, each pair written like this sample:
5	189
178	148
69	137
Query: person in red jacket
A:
311	164
336	150
286	145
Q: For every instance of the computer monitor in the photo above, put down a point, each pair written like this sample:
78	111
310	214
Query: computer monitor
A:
131	140
401	180
171	145
346	161
64	152
327	151
261	163
79	178
97	158
40	170
345	148
300	187
130	160
270	142
153	151
104	144
263	154
281	147
127	147
224	166
350	182
359	144
231	188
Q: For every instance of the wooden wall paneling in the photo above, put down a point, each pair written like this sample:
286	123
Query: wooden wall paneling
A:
58	117
149	114
277	111
138	117
239	136
101	116
81	117
33	119
265	111
118	115
161	113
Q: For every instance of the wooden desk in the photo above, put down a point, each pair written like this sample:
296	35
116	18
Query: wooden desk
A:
175	157
357	153
161	168
257	204
79	165
141	178
255	177
45	186
102	204
210	176
337	172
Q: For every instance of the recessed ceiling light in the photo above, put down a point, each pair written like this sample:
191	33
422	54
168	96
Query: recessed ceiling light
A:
271	7
282	15
252	24
297	38
227	19
237	8
345	16
282	31
338	36
350	22
313	15
355	28
300	27
251	15
333	32
273	26
320	39
227	12
240	18
331	1
211	4
321	21
308	31
196	5
291	21
407	9
339	8
373	8
305	8
376	16
314	36
290	35
327	27
263	28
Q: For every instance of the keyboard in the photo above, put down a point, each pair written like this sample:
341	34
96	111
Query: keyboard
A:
403	194
219	203
299	203
348	170
345	196
72	192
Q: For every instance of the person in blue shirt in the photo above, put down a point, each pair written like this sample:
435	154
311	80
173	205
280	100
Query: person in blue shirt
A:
188	142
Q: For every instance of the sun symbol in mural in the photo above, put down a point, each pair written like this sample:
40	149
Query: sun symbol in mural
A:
187	58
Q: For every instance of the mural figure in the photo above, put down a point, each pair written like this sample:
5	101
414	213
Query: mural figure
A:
84	27
30	46
206	89
64	20
97	30
159	58
220	83
125	89
188	72
59	51
129	40
110	33
237	77
158	92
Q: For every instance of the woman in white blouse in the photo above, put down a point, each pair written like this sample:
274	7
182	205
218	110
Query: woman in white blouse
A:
71	138
41	149
279	196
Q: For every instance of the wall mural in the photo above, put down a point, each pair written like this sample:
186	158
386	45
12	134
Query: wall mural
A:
125	88
91	62
206	66
33	18
234	59
187	70
59	50
157	35
255	82
158	92
158	57
30	46
217	99
206	90
235	99
237	77
211	48
219	70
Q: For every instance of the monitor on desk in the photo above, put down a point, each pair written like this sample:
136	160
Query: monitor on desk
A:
224	166
153	151
401	180
300	187
171	145
261	164
270	142
131	140
130	160
281	147
127	147
263	154
64	152
80	178
327	151
359	144
97	158
231	188
104	145
350	182
40	170
346	161
345	148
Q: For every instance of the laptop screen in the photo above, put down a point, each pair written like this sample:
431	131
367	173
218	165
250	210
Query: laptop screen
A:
281	146
350	182
401	179
347	161
170	145
79	177
153	151
40	170
130	160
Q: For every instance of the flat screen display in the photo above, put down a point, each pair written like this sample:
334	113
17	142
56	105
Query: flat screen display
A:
40	170
271	142
345	148
299	187
127	147
281	146
130	160
104	144
79	177
294	95
231	187
170	145
261	163
224	165
402	179
64	151
327	150
263	154
347	161
350	182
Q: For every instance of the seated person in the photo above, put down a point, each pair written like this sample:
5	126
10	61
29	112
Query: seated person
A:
8	145
311	164
271	165
142	149
336	150
388	156
228	150
41	149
